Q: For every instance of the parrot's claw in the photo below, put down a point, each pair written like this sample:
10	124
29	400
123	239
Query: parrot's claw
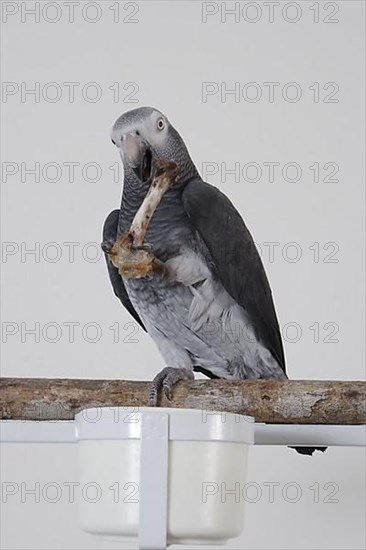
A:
107	246
165	380
145	246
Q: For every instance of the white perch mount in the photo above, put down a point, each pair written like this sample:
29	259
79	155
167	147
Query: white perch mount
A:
296	413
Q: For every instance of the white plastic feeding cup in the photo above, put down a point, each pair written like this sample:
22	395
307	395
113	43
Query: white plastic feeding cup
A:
167	476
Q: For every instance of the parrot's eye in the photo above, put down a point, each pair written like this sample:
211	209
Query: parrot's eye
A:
112	140
161	124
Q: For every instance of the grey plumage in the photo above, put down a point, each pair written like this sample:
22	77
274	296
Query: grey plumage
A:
110	231
214	311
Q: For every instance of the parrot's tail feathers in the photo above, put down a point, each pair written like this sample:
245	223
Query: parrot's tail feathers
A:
308	450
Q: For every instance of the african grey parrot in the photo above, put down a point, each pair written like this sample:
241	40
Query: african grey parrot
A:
214	312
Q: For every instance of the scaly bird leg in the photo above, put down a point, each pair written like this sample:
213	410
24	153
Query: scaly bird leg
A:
165	380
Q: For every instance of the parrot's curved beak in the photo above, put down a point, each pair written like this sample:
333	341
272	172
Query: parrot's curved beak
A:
138	155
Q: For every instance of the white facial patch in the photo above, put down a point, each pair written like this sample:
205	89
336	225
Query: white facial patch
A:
148	131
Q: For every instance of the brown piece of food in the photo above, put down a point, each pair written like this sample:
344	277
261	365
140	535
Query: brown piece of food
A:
129	253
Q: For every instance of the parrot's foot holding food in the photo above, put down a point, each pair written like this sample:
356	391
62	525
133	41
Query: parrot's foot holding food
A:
165	380
107	245
146	246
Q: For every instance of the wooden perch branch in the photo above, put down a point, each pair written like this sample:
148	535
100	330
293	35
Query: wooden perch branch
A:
270	401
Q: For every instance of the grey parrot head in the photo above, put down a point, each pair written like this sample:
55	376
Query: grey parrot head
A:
144	135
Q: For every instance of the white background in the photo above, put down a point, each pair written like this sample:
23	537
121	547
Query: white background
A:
168	53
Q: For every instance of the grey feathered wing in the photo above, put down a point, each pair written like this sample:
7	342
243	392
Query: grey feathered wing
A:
109	237
236	260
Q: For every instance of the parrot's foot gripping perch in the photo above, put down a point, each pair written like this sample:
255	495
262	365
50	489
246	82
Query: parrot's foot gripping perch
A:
131	256
165	380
